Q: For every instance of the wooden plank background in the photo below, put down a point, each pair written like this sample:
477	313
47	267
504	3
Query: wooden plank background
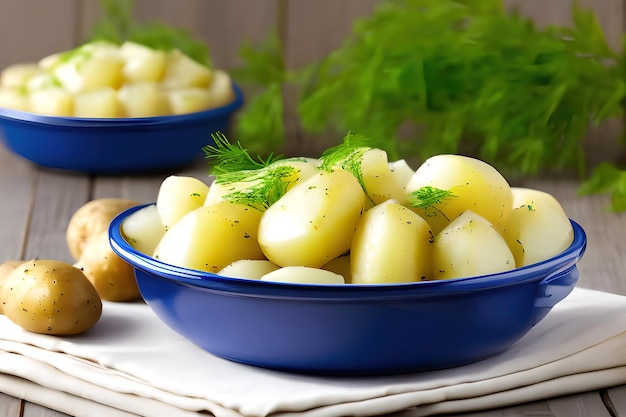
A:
32	29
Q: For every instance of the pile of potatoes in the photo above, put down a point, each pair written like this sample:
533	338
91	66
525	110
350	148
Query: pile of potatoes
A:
57	298
104	80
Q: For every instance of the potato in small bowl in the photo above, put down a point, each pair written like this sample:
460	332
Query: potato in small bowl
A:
108	109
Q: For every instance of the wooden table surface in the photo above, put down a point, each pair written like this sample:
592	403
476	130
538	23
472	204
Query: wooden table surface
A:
36	205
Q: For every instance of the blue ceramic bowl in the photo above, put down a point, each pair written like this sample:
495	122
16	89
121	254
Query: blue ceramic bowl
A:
352	329
114	146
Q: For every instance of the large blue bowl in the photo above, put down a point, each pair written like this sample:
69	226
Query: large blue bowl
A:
116	145
352	329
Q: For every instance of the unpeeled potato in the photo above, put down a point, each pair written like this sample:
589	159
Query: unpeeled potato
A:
112	277
5	270
50	297
91	219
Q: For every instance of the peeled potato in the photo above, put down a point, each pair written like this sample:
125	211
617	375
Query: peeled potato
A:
474	184
303	275
248	268
183	71
391	244
538	228
177	196
189	100
17	75
52	102
380	183
50	297
340	266
144	99
101	103
470	246
14	99
142	63
144	229
221	89
211	237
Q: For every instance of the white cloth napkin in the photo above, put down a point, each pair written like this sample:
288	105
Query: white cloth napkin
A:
131	364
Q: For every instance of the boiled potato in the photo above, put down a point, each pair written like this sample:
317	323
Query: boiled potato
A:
144	99
538	227
340	266
92	218
183	71
313	222
50	297
90	67
144	229
52	102
248	268
475	186
17	75
142	63
14	99
211	237
303	275
112	277
221	89
101	103
470	246
378	180
177	196
401	172
391	244
189	100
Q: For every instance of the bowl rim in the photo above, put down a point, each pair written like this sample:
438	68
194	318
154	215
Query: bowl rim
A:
243	286
14	115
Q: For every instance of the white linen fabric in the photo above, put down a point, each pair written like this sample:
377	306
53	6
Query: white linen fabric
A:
131	364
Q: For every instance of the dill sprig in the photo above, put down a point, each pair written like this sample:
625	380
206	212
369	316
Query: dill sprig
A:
348	155
263	187
428	196
230	157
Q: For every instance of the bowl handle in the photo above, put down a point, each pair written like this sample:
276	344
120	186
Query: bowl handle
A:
556	286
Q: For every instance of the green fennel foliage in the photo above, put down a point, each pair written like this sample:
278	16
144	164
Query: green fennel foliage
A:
469	77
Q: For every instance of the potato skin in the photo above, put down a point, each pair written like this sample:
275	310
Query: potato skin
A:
112	277
91	219
50	297
5	270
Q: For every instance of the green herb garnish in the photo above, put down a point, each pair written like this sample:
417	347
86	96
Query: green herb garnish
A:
230	157
263	187
428	196
348	156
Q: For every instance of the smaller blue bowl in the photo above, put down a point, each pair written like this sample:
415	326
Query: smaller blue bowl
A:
116	145
352	329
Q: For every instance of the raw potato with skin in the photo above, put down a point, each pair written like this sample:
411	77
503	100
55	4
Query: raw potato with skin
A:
111	276
50	297
5	270
91	219
87	240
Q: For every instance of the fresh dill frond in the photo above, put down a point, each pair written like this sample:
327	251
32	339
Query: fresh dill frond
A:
428	196
260	187
230	157
348	155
